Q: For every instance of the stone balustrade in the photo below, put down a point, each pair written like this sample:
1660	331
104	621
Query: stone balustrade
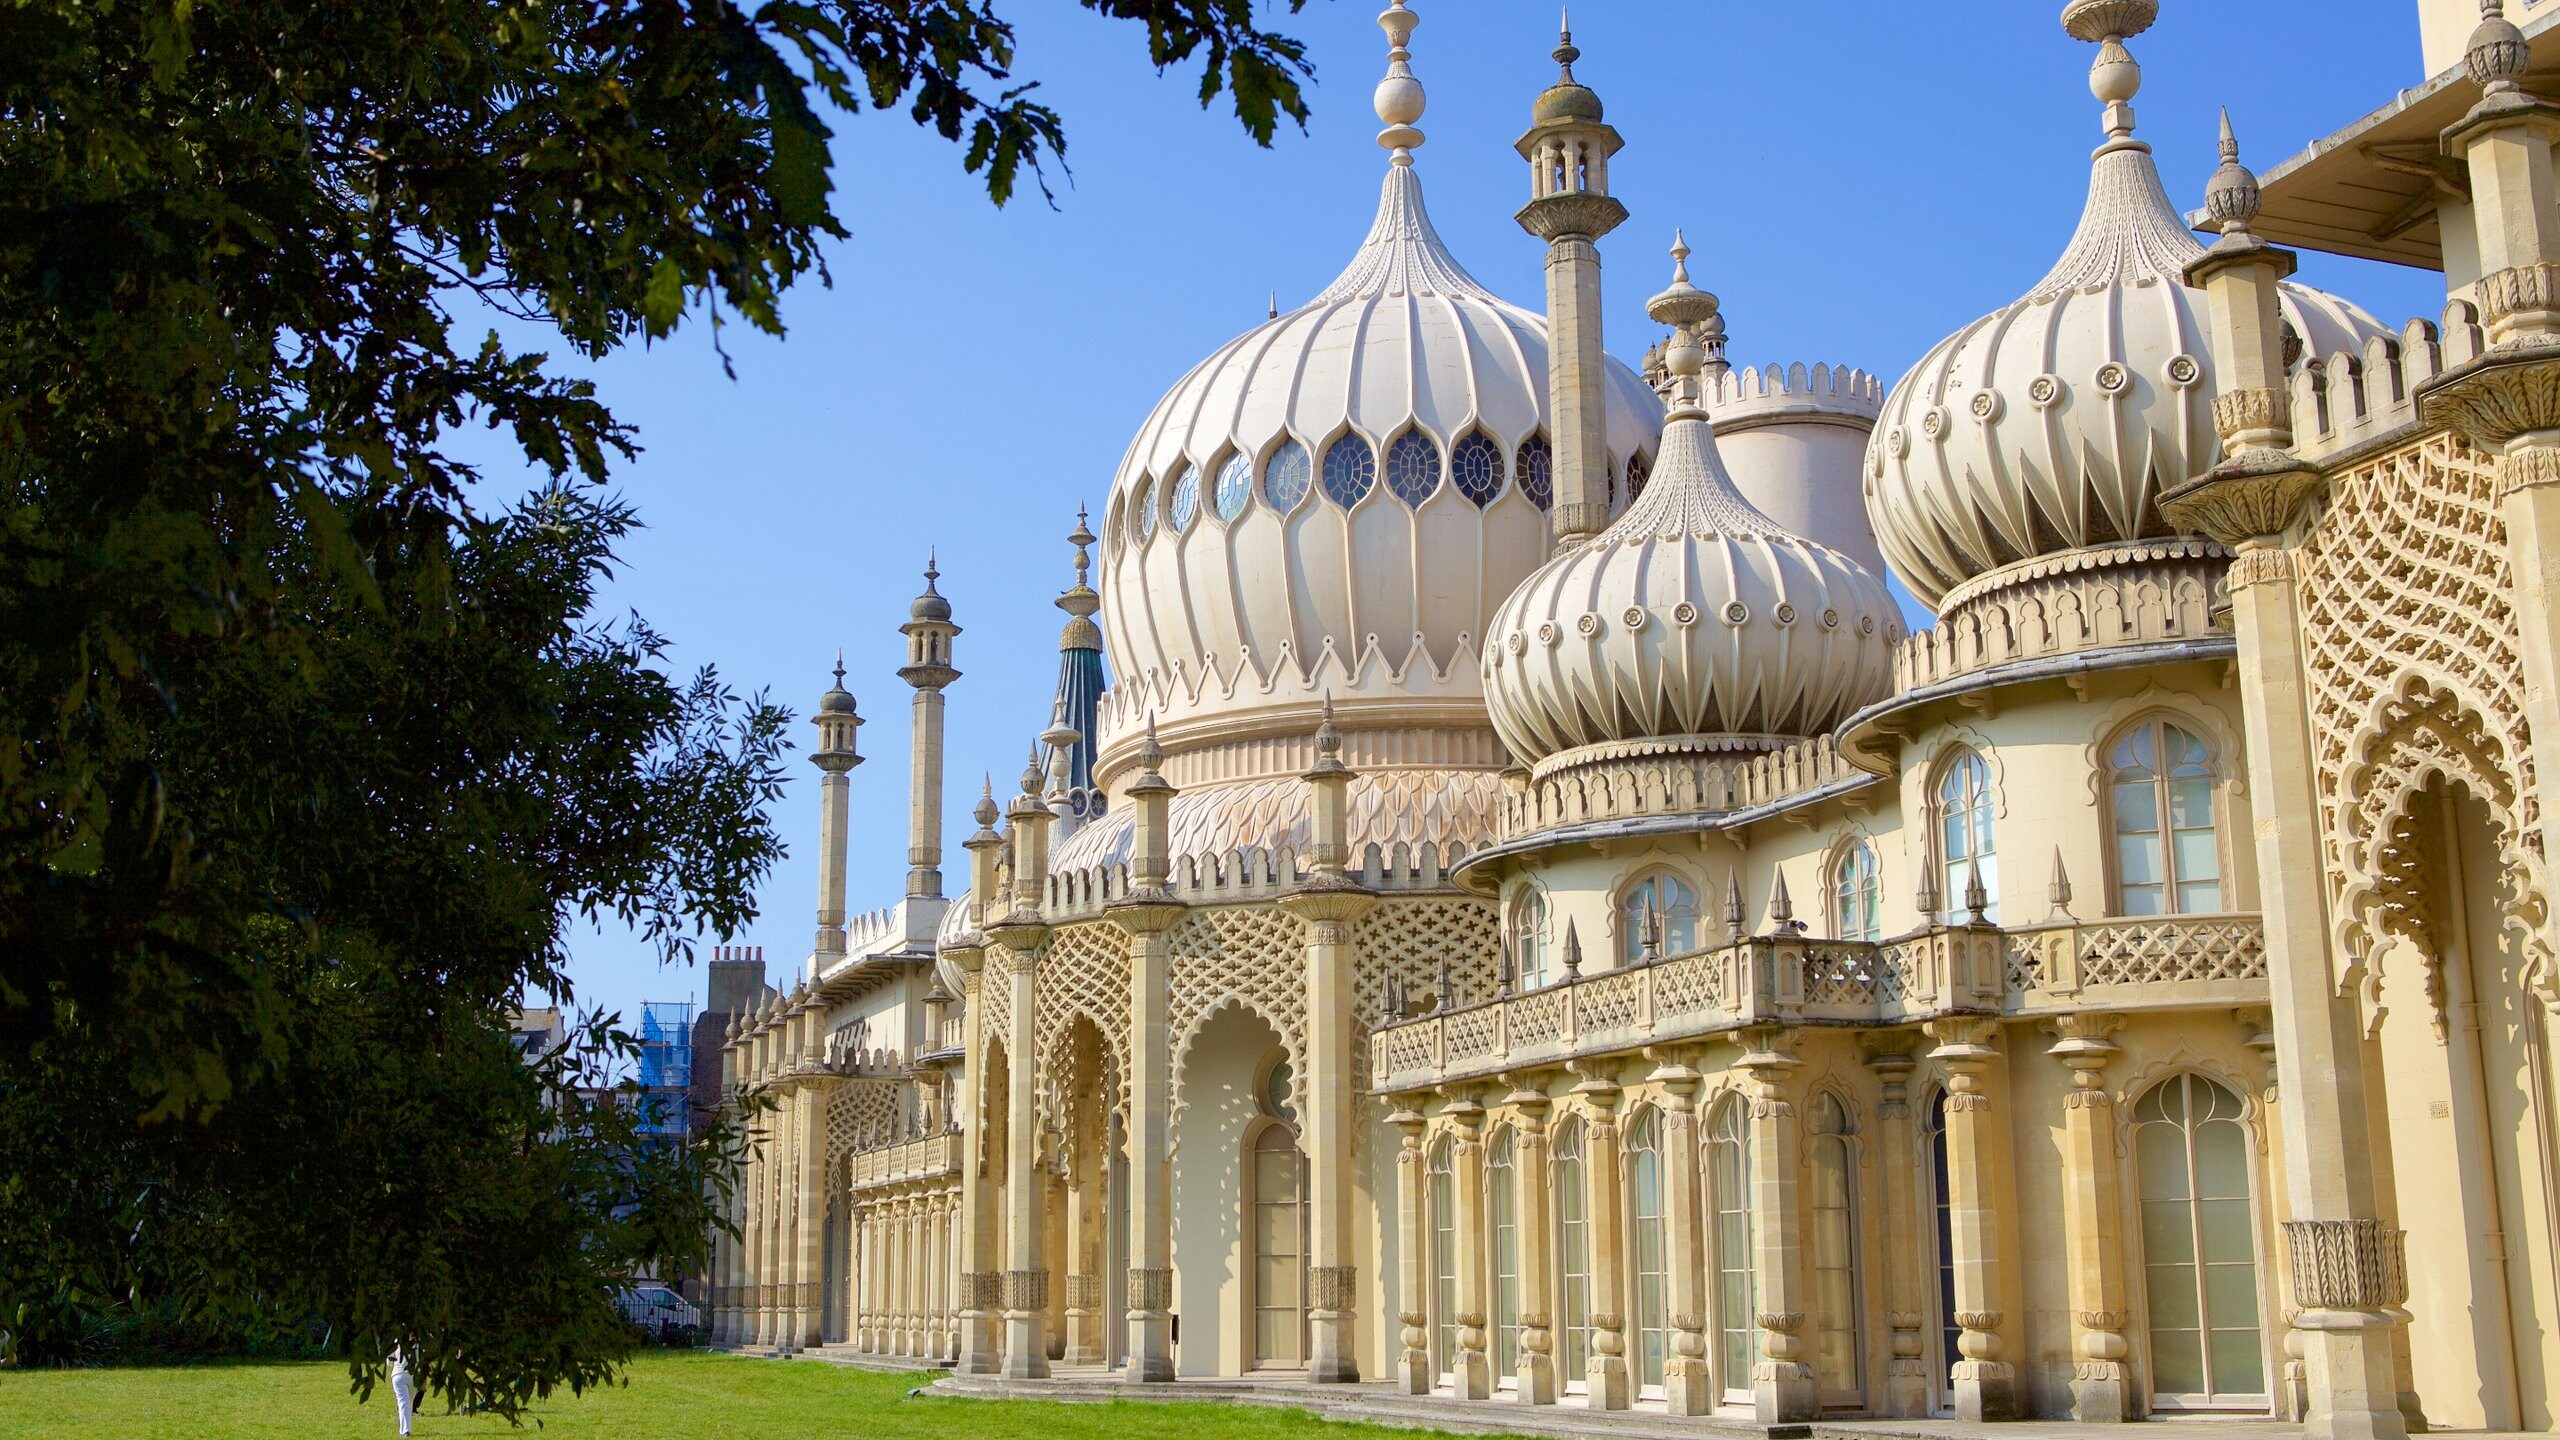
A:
923	1158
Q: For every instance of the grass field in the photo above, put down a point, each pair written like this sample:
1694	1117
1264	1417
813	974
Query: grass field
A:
670	1395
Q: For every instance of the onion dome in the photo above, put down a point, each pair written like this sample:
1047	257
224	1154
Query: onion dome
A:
2055	422
1568	98
837	700
930	606
1694	618
1336	499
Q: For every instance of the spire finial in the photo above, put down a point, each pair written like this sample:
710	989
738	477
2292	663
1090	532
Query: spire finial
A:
839	667
1564	52
985	814
1082	539
932	567
1275	305
1399	98
2114	77
2231	196
1692	315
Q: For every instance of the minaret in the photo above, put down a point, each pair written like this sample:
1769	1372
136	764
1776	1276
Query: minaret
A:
929	632
1568	149
835	758
1079	673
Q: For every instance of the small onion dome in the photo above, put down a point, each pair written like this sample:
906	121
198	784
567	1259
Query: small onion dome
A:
837	700
1694	616
1568	98
930	605
2054	422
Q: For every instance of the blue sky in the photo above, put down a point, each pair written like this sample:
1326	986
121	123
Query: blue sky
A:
1857	179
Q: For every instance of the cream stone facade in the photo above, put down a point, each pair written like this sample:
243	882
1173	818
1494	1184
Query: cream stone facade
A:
1529	921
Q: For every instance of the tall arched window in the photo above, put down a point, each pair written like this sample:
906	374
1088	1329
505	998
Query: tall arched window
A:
2160	794
1857	894
1501	1209
2199	1245
1279	1237
1964	836
1287	476
1729	1213
1350	469
1834	1198
1475	464
1536	469
1413	467
1186	498
1529	938
1235	485
1142	508
1943	1227
1669	902
1652	1268
1573	1256
1444	1261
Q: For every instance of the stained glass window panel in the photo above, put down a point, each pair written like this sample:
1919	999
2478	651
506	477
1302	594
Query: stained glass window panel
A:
1186	498
1537	471
1413	467
1235	486
1350	470
1142	508
1286	476
1476	466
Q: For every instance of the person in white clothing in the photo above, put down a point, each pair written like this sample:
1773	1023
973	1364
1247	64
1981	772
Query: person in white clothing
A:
404	1385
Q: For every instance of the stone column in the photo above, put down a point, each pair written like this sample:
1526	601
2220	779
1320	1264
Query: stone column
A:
1908	1389
2255	501
809	1312
1413	1280
1687	1388
835	758
1471	1370
1782	1384
1328	901
2093	1224
1020	932
1084	1243
929	633
1537	1379
724	1243
1149	914
1986	1386
1570	208
980	1264
1607	1384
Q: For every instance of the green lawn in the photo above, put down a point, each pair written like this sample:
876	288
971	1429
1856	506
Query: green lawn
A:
675	1396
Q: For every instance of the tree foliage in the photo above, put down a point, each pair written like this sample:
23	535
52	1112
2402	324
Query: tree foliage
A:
308	765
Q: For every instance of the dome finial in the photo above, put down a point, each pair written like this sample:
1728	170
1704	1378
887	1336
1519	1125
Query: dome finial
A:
2496	55
2114	77
1399	98
839	667
1695	328
1564	52
2231	197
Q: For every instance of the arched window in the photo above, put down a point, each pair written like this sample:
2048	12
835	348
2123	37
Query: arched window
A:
1235	486
1350	469
1573	1256
1444	1261
1834	1174
2160	793
1501	1208
1964	836
1729	1238
1142	508
1652	1267
1536	469
1475	464
1186	498
1529	938
1286	476
1666	900
1639	470
1279	1245
1943	1227
2199	1245
1857	894
1413	468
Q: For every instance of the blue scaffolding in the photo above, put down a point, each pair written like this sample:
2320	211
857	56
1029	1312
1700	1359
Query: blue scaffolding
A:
666	1067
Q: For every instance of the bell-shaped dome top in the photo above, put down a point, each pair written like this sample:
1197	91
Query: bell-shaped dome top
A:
1335	500
1694	617
2055	422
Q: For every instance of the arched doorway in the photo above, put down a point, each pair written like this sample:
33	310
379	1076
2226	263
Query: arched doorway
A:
1832	1199
2192	1162
1276	1230
1729	1241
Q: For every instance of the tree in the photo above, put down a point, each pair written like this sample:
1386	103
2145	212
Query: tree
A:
307	764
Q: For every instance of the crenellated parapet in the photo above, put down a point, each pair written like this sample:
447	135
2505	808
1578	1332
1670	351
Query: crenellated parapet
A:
1751	397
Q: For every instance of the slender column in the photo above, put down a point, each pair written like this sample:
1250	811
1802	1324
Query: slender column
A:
1686	1386
917	1310
1986	1386
751	1216
835	758
1571	209
980	1265
810	1311
724	1257
1026	1278
1782	1384
1328	901
2093	1224
1471	1373
1537	1379
1907	1388
929	632
1148	915
1413	1284
1606	1384
1084	1246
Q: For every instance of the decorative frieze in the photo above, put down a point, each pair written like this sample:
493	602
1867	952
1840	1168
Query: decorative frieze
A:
1026	1291
2347	1264
1151	1288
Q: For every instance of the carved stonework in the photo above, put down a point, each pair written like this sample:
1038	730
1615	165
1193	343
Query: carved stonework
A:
1026	1290
2253	494
2497	397
1581	214
2236	412
2347	1264
1151	1288
2524	297
2260	565
2528	467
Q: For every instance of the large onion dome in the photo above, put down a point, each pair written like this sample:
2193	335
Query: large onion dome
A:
1693	618
1336	500
2054	422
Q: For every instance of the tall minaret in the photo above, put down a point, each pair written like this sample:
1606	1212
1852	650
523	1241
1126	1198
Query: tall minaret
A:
1079	695
835	758
1568	150
929	631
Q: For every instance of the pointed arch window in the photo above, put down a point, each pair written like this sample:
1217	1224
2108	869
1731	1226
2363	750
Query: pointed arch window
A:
1529	945
1444	1261
1185	505
1142	508
1573	1256
1475	464
1536	469
1279	1248
1964	836
1857	894
1286	476
1639	470
1943	1231
1235	486
1502	1213
1651	1270
1729	1241
1667	900
1413	468
1350	471
2160	795
1834	1250
2199	1245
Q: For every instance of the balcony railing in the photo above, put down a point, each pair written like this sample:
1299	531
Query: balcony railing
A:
1780	980
918	1159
